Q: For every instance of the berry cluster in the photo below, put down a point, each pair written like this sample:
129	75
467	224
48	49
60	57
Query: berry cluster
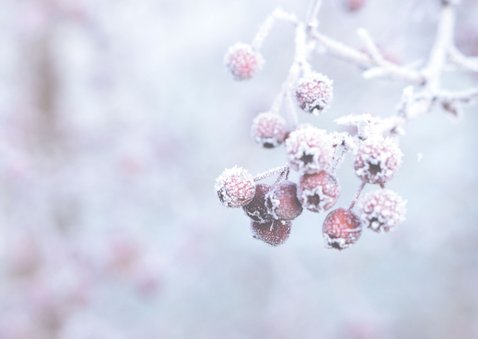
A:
314	154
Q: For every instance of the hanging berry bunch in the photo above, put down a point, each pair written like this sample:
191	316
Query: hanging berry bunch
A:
314	154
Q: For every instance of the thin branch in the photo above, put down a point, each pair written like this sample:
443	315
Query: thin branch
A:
265	28
314	9
465	62
374	61
443	41
357	195
466	95
273	171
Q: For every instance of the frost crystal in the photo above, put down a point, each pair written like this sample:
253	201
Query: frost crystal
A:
235	187
243	61
382	210
377	160
314	92
309	149
269	130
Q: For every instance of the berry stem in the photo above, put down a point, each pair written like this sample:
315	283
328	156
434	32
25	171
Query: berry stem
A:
313	13
281	170
357	195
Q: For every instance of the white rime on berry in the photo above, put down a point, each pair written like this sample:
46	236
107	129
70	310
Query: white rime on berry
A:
269	129
377	160
243	61
314	92
382	210
235	187
309	149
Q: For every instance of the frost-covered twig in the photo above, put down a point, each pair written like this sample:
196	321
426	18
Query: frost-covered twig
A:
465	62
263	32
375	62
273	171
443	42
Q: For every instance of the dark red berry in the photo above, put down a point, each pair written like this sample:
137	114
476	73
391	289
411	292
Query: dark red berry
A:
274	233
341	229
282	202
256	209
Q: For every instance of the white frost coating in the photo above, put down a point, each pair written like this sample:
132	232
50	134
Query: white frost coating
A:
314	92
325	201
269	129
377	160
309	149
243	61
235	187
382	210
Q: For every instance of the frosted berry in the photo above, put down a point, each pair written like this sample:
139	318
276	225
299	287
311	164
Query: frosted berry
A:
282	202
341	229
269	130
274	233
377	160
318	191
314	92
243	61
382	210
309	149
235	187
256	209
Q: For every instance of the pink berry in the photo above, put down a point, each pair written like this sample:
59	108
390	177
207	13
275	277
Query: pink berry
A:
318	191
354	5
314	93
273	232
269	130
341	229
257	209
382	210
235	187
377	160
243	61
282	202
309	149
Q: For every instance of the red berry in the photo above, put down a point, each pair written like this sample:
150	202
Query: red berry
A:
282	202
341	229
269	130
273	233
382	210
314	93
256	209
377	160
309	149
318	191
243	61
235	187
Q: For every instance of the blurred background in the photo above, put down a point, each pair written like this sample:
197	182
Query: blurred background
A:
116	116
